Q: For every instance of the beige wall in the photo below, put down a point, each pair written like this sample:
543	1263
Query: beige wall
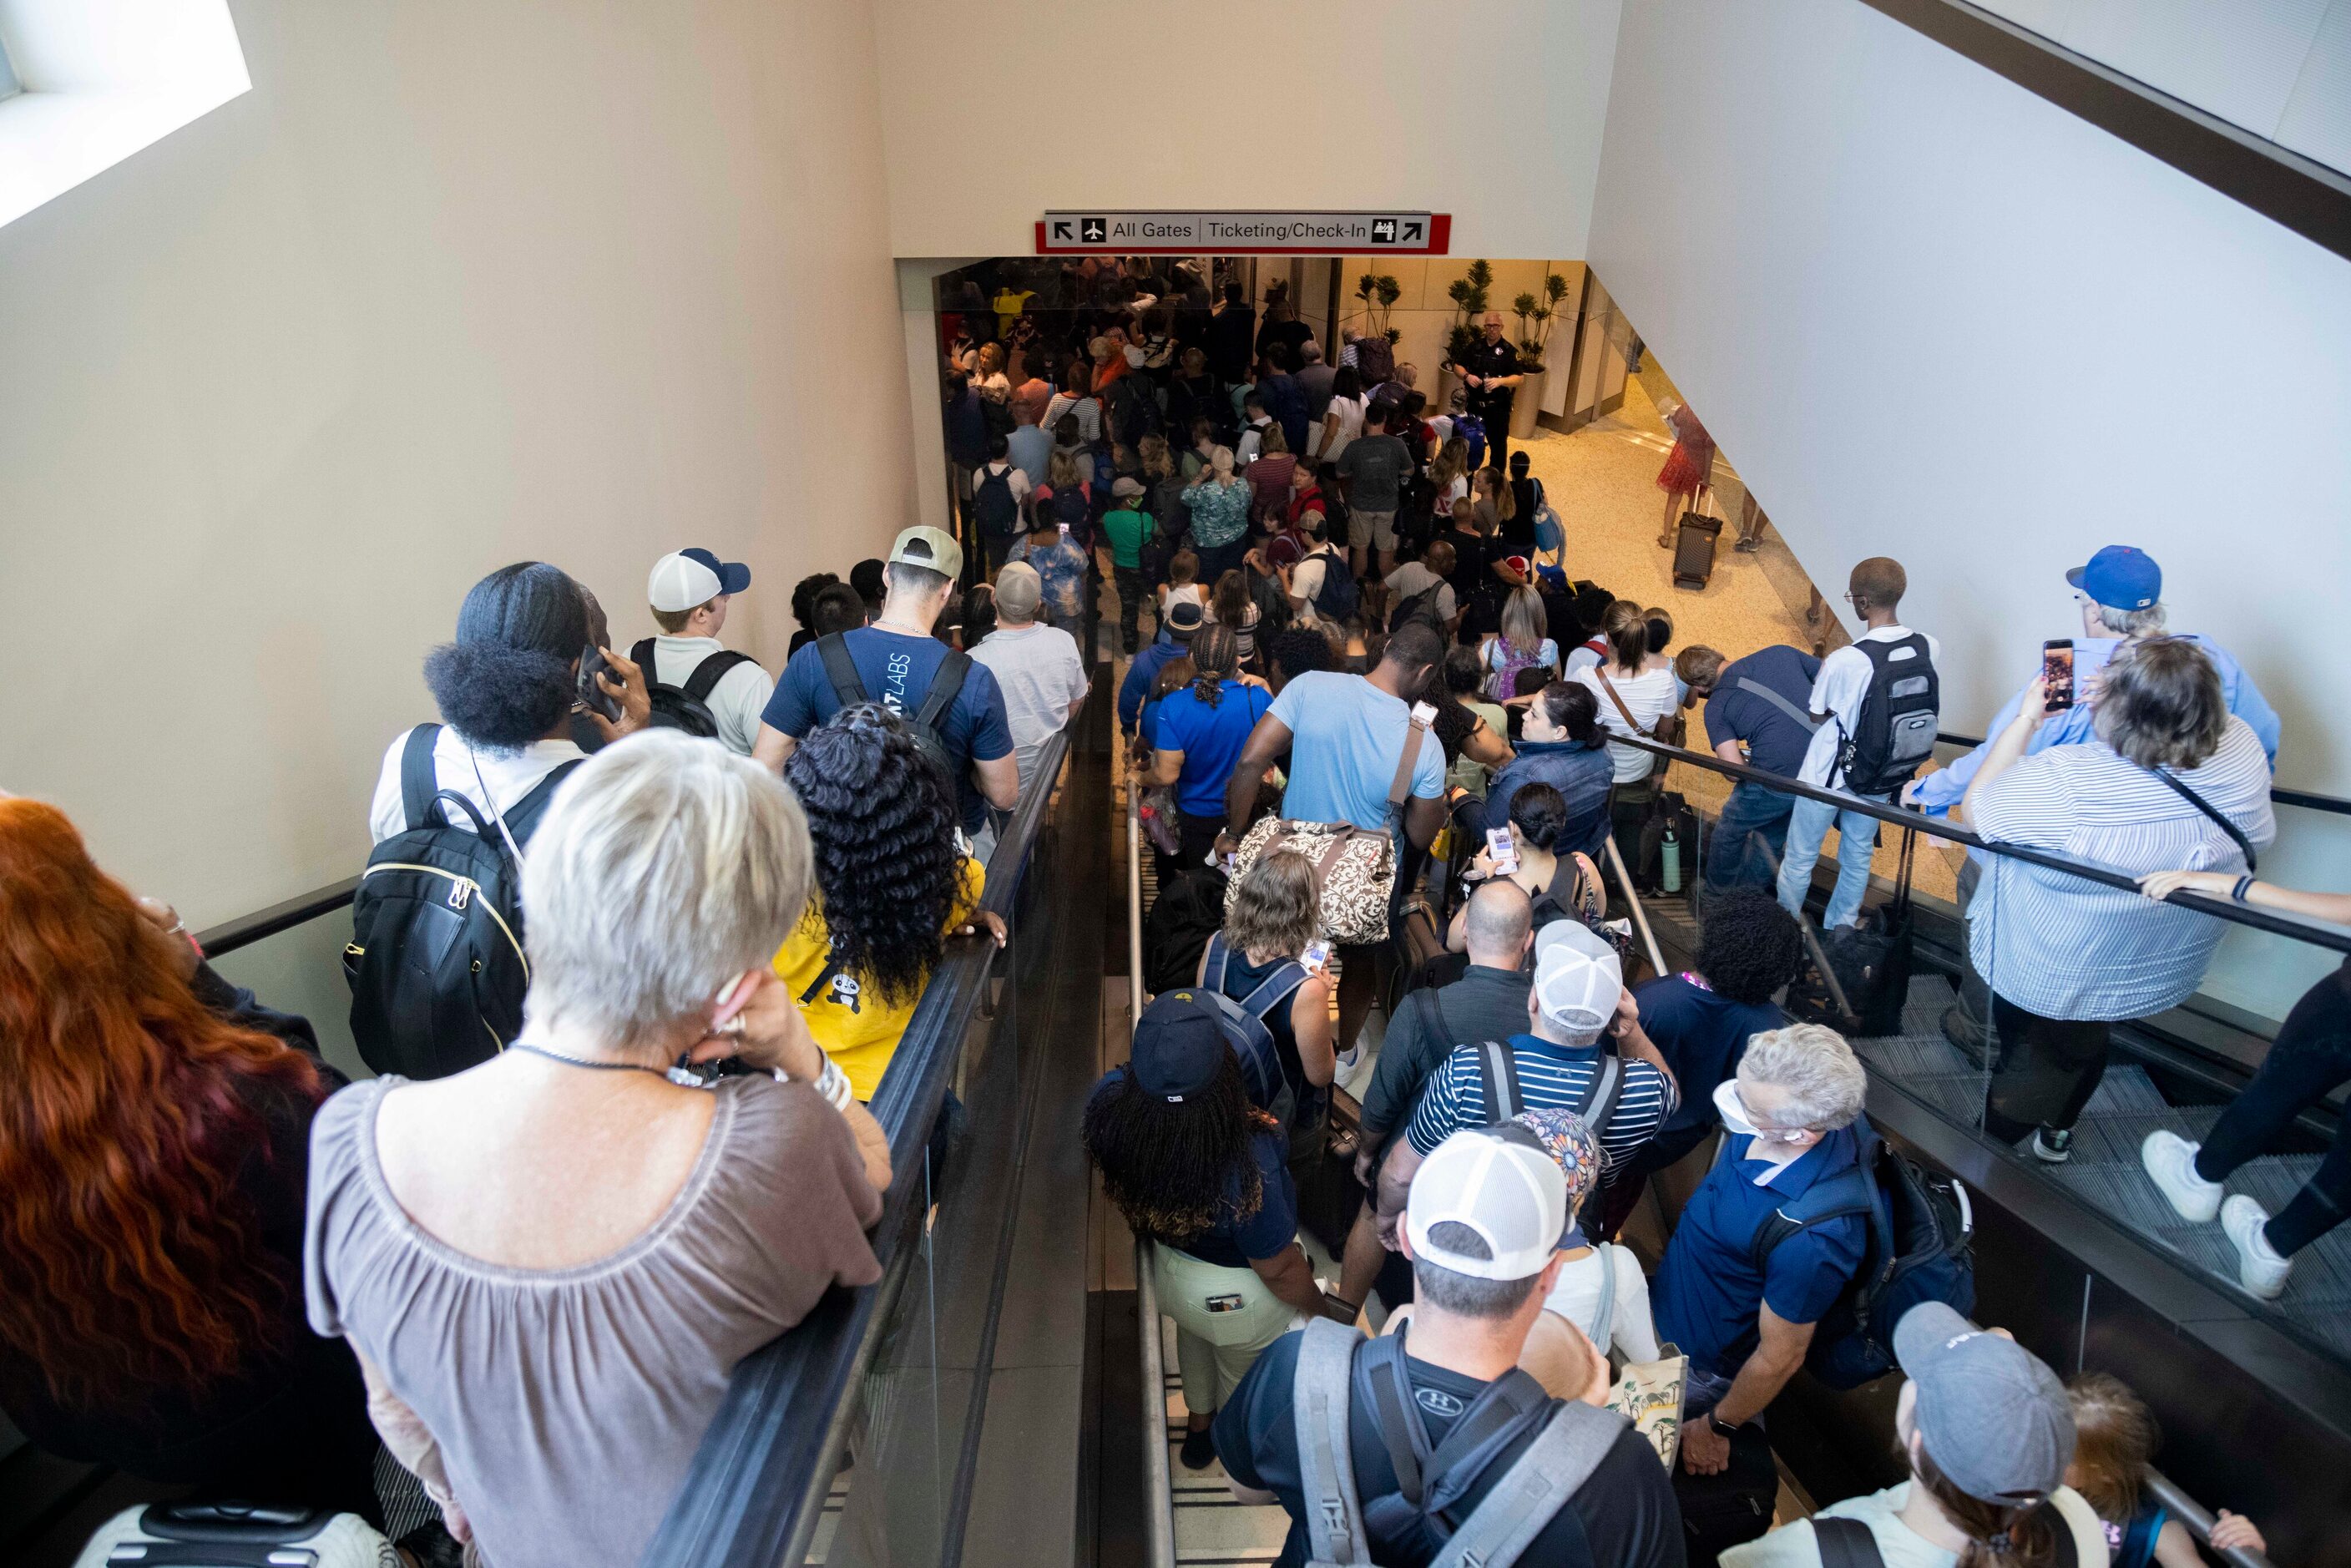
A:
454	285
1492	109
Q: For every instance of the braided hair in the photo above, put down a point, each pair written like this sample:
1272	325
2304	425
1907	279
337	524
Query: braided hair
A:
1216	654
882	822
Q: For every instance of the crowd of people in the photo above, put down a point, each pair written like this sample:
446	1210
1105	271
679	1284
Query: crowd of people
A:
525	1257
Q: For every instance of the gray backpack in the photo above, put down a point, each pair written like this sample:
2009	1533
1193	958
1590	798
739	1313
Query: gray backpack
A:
1573	1439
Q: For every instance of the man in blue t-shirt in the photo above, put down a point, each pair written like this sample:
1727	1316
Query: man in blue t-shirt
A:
1346	737
1789	1112
896	657
1174	642
1757	712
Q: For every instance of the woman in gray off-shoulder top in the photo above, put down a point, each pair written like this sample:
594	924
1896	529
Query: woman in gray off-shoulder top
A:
549	1264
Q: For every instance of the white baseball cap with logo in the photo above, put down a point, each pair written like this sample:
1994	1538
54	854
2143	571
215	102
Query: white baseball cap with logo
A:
1578	976
689	579
1501	1183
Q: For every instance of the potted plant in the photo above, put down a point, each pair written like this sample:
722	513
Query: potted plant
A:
1537	316
1379	292
1469	294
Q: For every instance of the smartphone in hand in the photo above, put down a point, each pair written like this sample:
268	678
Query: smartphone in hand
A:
593	696
1505	850
2057	673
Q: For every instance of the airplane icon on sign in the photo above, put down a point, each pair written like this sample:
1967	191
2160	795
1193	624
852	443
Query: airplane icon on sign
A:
1093	231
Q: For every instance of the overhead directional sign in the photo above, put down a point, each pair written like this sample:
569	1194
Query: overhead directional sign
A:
1078	233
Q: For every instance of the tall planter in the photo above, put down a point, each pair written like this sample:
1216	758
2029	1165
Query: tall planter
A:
1526	405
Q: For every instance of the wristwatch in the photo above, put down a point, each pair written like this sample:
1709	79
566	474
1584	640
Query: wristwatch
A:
1724	1428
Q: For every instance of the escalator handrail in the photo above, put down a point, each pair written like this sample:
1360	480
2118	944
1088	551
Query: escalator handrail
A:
1159	1484
219	941
750	1497
2337	941
2309	801
2198	1520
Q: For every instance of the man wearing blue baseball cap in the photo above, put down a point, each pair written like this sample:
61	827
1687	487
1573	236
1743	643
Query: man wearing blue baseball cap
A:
689	591
2119	592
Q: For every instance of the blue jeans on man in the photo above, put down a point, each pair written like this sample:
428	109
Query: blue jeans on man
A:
1735	859
1808	825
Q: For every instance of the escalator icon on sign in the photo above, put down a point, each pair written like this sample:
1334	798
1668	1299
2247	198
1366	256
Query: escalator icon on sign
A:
1093	231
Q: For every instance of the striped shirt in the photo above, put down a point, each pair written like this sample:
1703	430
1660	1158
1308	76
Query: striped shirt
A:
1550	1077
2066	949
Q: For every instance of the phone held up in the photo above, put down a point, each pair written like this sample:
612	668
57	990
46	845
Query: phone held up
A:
592	695
1505	850
2057	673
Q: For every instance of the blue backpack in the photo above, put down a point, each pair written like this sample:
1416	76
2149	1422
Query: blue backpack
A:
1472	429
1245	1028
1920	1231
1337	598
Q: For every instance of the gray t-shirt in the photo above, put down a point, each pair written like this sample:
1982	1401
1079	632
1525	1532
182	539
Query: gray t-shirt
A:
1413	579
567	1403
1375	467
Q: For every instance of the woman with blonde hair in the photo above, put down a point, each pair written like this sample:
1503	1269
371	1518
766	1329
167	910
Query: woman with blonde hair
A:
1450	475
1219	503
1267	959
1496	506
1521	645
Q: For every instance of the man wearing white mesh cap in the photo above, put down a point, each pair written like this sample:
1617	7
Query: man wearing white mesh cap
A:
1435	1419
1578	998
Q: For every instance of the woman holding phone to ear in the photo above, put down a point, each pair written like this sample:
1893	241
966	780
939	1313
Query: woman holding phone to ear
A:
566	1242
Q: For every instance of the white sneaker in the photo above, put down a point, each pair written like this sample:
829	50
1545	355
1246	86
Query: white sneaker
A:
2259	1267
2170	1162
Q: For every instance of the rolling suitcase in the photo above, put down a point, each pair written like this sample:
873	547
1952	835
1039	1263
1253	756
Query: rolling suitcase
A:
232	1535
1694	543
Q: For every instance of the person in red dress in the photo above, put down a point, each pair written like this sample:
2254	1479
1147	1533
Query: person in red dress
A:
1688	469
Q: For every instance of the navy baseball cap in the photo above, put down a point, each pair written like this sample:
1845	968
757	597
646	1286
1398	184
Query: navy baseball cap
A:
2120	578
1179	1048
694	577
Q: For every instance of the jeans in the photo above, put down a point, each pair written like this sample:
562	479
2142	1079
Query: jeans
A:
1753	812
2048	1070
1132	592
2310	1057
1808	824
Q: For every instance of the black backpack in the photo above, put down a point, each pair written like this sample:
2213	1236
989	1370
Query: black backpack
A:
946	685
993	506
1920	1232
1421	608
1188	912
435	960
1133	408
1374	359
686	708
1894	730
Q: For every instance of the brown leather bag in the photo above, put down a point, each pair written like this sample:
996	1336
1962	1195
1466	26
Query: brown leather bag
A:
1669	730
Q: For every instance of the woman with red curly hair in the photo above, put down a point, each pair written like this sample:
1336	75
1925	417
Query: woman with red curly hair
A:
154	1142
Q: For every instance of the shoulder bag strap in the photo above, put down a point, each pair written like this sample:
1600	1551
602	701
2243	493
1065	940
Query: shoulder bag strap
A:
1326	1467
1846	1544
2253	861
946	685
1604	1322
1520	1505
1600	673
711	671
420	780
1401	787
840	669
1757	688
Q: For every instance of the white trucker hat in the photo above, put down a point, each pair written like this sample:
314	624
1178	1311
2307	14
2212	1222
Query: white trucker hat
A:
1578	976
689	579
1499	1182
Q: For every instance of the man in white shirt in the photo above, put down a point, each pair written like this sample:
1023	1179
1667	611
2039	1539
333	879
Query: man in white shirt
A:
1875	590
1037	667
689	591
1303	581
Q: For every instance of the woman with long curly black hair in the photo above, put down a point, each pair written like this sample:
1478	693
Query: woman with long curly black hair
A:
891	881
1198	1169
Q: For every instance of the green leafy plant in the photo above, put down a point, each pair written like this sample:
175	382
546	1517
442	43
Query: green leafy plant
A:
1536	317
1469	294
1379	292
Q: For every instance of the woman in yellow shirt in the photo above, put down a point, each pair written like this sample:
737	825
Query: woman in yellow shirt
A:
894	881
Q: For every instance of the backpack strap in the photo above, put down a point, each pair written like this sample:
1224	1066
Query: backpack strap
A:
1433	1020
840	669
1498	1076
1212	975
420	781
1604	1322
1276	988
711	671
1756	688
640	654
946	685
522	817
1846	1544
1599	1099
1520	1505
1326	1468
1847	1194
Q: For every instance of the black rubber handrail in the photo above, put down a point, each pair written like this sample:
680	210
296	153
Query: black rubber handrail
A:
1902	816
300	910
2302	797
754	1483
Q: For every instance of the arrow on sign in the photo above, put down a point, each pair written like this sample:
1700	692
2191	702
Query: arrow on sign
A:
1411	228
1061	228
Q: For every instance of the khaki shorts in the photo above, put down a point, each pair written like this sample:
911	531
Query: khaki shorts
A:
1373	530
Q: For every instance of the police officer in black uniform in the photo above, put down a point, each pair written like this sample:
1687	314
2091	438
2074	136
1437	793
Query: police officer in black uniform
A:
1490	371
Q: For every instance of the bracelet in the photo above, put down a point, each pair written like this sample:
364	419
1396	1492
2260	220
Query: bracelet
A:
833	1084
2244	885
